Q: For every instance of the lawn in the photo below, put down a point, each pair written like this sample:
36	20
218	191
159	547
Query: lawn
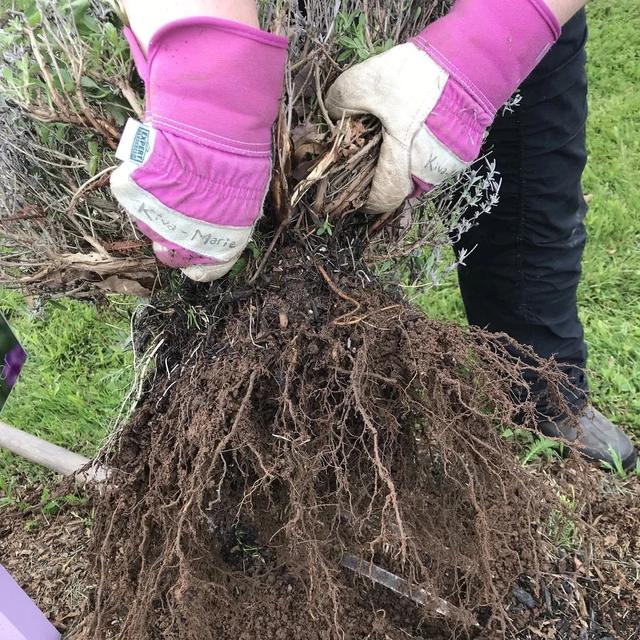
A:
77	373
79	365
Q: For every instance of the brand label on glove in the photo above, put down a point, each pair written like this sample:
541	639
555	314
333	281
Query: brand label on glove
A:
136	143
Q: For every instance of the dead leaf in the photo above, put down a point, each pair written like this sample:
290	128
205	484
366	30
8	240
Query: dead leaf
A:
357	132
308	151
319	171
116	284
307	132
126	245
308	142
579	565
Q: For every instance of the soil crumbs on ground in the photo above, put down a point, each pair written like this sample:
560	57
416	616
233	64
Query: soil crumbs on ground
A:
576	598
47	555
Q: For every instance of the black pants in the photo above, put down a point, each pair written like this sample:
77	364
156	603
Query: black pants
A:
523	274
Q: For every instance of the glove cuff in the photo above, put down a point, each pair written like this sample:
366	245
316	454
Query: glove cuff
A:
215	82
490	46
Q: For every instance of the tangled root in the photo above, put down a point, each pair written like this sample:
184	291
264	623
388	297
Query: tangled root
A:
300	428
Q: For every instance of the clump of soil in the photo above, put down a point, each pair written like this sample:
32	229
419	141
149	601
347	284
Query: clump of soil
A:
294	423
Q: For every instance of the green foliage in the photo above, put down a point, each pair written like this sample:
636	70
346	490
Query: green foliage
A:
542	447
64	58
353	39
46	504
193	319
616	465
325	229
561	525
247	548
533	446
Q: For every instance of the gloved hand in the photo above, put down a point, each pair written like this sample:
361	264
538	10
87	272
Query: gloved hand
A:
196	176
437	94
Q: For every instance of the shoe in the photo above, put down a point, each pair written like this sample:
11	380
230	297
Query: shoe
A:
594	436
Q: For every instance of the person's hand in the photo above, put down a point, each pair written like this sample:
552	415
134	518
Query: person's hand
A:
437	94
195	176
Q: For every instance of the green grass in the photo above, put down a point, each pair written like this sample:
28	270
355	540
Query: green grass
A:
79	369
610	290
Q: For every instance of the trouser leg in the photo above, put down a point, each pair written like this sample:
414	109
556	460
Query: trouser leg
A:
523	274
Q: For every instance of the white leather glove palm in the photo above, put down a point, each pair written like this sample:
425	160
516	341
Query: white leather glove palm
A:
437	94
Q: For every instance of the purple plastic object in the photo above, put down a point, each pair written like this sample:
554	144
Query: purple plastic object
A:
13	362
20	618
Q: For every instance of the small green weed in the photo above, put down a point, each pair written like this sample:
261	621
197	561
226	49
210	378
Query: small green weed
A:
247	548
542	447
561	525
32	525
616	465
325	229
51	506
535	445
354	40
192	319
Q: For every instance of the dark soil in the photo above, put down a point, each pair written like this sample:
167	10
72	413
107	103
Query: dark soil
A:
573	599
592	591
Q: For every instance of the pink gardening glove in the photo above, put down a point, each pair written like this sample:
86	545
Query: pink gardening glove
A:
437	94
196	174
